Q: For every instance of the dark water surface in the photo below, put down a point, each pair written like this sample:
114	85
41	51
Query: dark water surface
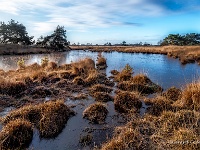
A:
161	69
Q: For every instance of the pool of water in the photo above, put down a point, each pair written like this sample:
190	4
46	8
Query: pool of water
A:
161	69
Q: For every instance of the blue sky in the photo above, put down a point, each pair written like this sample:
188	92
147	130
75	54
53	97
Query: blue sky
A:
101	21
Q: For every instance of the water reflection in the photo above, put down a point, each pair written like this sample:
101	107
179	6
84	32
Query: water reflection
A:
163	70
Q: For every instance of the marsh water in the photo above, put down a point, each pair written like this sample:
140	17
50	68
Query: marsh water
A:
160	69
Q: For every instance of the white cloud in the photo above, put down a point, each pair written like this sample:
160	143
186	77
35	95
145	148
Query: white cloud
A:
43	16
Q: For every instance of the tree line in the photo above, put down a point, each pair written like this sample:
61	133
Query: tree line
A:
15	33
181	40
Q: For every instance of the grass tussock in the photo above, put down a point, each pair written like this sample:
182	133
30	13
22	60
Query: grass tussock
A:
50	118
140	83
191	96
101	63
100	88
128	138
96	113
11	87
158	105
125	74
173	93
125	101
102	97
16	134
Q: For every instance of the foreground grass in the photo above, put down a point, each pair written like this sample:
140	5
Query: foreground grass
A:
169	123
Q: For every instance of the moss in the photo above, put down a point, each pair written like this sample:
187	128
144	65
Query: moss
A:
16	134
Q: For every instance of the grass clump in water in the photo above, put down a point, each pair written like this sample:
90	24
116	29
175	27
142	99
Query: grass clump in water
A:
102	97
96	113
173	93
125	74
16	134
125	101
49	118
100	88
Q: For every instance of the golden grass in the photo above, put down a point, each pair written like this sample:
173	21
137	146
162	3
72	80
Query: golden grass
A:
102	97
16	134
49	118
99	88
101	63
140	83
158	105
125	74
125	101
191	96
173	93
11	87
128	138
96	113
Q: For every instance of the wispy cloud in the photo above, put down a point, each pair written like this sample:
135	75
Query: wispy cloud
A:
43	16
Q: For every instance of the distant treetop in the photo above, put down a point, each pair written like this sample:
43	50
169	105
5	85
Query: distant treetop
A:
14	33
177	39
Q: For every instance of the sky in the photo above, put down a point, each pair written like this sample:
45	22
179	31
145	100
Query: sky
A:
102	21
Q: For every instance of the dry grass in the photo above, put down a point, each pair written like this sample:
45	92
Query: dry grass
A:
125	74
191	96
16	134
101	63
100	88
173	93
11	87
50	118
102	97
96	113
128	138
158	105
140	83
125	101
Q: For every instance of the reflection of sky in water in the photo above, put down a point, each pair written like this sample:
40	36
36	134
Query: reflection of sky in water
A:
161	69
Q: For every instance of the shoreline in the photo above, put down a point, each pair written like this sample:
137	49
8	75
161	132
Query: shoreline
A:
185	54
11	49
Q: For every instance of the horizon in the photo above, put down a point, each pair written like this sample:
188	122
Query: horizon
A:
99	22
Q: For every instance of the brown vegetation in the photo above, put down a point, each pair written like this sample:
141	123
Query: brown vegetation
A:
101	63
102	97
173	93
125	101
140	83
99	88
16	134
49	118
96	113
